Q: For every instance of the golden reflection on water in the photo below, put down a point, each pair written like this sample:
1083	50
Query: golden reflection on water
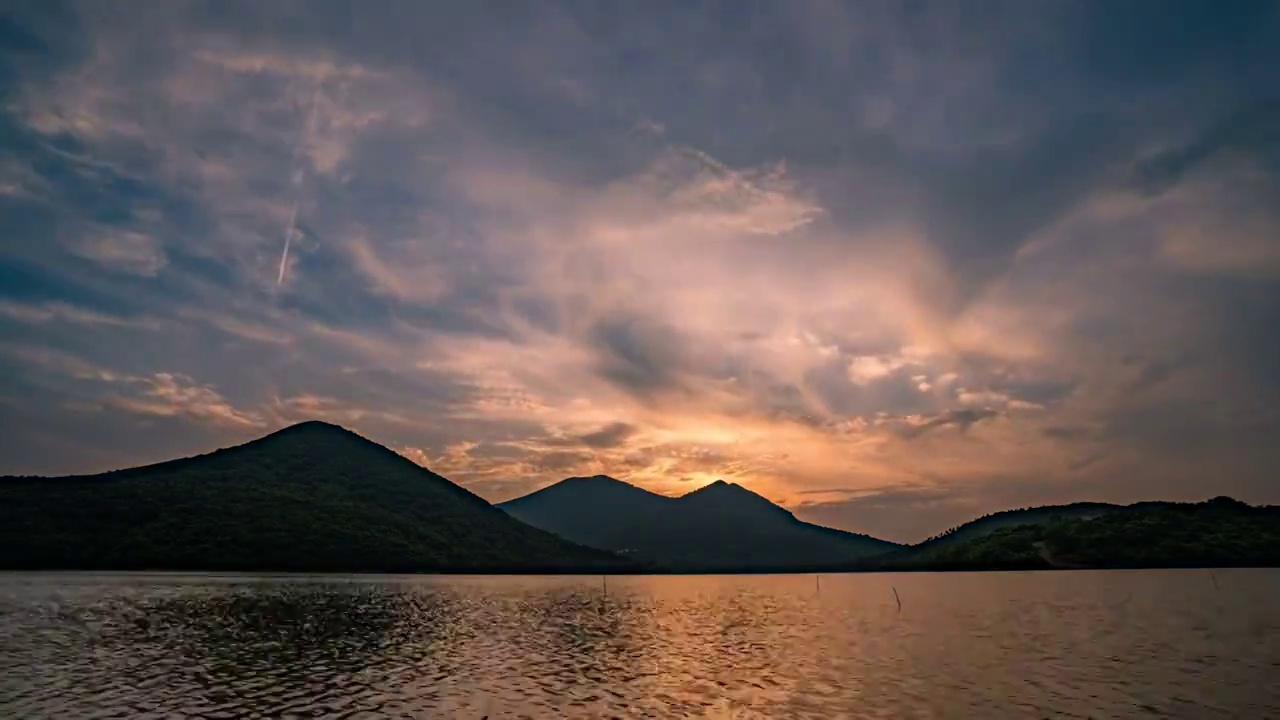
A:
1120	644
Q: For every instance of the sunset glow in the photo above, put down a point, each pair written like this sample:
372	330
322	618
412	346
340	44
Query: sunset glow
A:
868	278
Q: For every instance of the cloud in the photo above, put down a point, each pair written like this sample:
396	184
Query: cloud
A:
127	251
162	394
870	260
643	358
1066	433
1226	225
239	327
175	395
402	278
711	196
1247	130
54	311
915	426
608	436
299	408
905	513
983	398
868	368
54	360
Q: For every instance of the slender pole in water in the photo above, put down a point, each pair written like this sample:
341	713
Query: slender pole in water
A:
895	597
817	583
1213	575
604	581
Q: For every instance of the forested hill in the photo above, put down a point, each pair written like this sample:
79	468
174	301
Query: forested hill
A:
1218	533
311	497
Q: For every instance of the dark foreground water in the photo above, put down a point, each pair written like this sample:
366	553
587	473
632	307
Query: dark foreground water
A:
1186	644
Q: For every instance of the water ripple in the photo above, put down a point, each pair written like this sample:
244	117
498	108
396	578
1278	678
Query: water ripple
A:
1011	645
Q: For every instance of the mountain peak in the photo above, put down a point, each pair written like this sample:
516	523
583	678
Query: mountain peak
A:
717	526
314	426
731	497
589	489
593	484
315	432
581	479
721	487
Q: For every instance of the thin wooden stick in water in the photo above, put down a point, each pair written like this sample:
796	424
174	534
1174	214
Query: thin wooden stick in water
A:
895	597
604	581
817	583
1213	575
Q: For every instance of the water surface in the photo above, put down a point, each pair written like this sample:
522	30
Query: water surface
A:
1183	644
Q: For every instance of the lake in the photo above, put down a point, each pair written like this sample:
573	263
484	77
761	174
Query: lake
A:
1182	644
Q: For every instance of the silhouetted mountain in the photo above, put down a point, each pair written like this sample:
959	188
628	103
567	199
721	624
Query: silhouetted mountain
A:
722	526
598	508
730	499
1218	533
311	497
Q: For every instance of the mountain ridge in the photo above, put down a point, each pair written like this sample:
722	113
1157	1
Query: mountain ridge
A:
309	497
721	526
318	497
1219	532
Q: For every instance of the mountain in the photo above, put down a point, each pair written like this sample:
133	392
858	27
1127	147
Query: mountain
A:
1218	533
595	511
311	497
990	523
720	527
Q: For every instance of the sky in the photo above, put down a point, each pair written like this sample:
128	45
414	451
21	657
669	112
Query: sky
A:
890	264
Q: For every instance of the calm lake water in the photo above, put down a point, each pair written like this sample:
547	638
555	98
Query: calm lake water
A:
1186	644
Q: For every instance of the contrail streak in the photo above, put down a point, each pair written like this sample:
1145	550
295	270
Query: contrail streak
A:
292	226
288	236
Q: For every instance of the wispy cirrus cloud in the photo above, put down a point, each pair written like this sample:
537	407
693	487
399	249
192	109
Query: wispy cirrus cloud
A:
169	395
61	312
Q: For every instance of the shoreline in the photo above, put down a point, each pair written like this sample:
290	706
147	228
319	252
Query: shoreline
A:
85	572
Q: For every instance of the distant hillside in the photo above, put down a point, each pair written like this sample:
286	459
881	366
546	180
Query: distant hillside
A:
311	497
1219	533
1011	518
720	527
